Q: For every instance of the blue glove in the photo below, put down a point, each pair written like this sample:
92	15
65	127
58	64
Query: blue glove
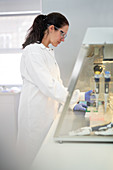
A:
89	97
80	107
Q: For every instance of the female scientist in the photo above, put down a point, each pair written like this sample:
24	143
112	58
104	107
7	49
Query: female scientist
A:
42	89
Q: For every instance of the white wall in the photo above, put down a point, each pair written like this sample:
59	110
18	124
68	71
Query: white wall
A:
81	14
21	5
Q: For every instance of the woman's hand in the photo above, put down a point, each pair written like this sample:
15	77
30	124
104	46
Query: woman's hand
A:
80	107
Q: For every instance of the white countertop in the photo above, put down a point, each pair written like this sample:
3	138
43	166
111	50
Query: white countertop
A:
73	156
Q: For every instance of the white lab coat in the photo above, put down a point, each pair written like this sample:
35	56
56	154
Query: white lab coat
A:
41	93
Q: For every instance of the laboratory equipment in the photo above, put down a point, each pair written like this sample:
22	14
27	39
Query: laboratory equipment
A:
95	129
97	88
107	80
94	59
97	71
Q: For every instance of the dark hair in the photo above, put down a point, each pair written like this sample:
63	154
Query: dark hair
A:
40	24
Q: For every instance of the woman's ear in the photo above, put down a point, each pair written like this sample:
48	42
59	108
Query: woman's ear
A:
51	28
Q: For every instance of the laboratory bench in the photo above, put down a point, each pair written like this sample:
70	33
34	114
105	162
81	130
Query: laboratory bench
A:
73	155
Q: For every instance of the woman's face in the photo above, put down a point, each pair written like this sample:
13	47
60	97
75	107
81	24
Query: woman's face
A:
57	35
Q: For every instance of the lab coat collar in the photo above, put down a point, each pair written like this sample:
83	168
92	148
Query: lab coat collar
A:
43	47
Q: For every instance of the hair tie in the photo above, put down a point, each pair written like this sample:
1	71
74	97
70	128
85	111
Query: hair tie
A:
45	17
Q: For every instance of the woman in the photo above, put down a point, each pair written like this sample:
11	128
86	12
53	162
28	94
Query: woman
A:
42	89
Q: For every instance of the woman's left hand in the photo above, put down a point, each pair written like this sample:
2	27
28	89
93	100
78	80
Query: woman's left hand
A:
80	107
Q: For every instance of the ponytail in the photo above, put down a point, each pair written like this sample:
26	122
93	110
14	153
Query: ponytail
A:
36	31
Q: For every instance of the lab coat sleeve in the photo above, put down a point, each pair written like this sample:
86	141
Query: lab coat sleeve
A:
77	96
76	99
